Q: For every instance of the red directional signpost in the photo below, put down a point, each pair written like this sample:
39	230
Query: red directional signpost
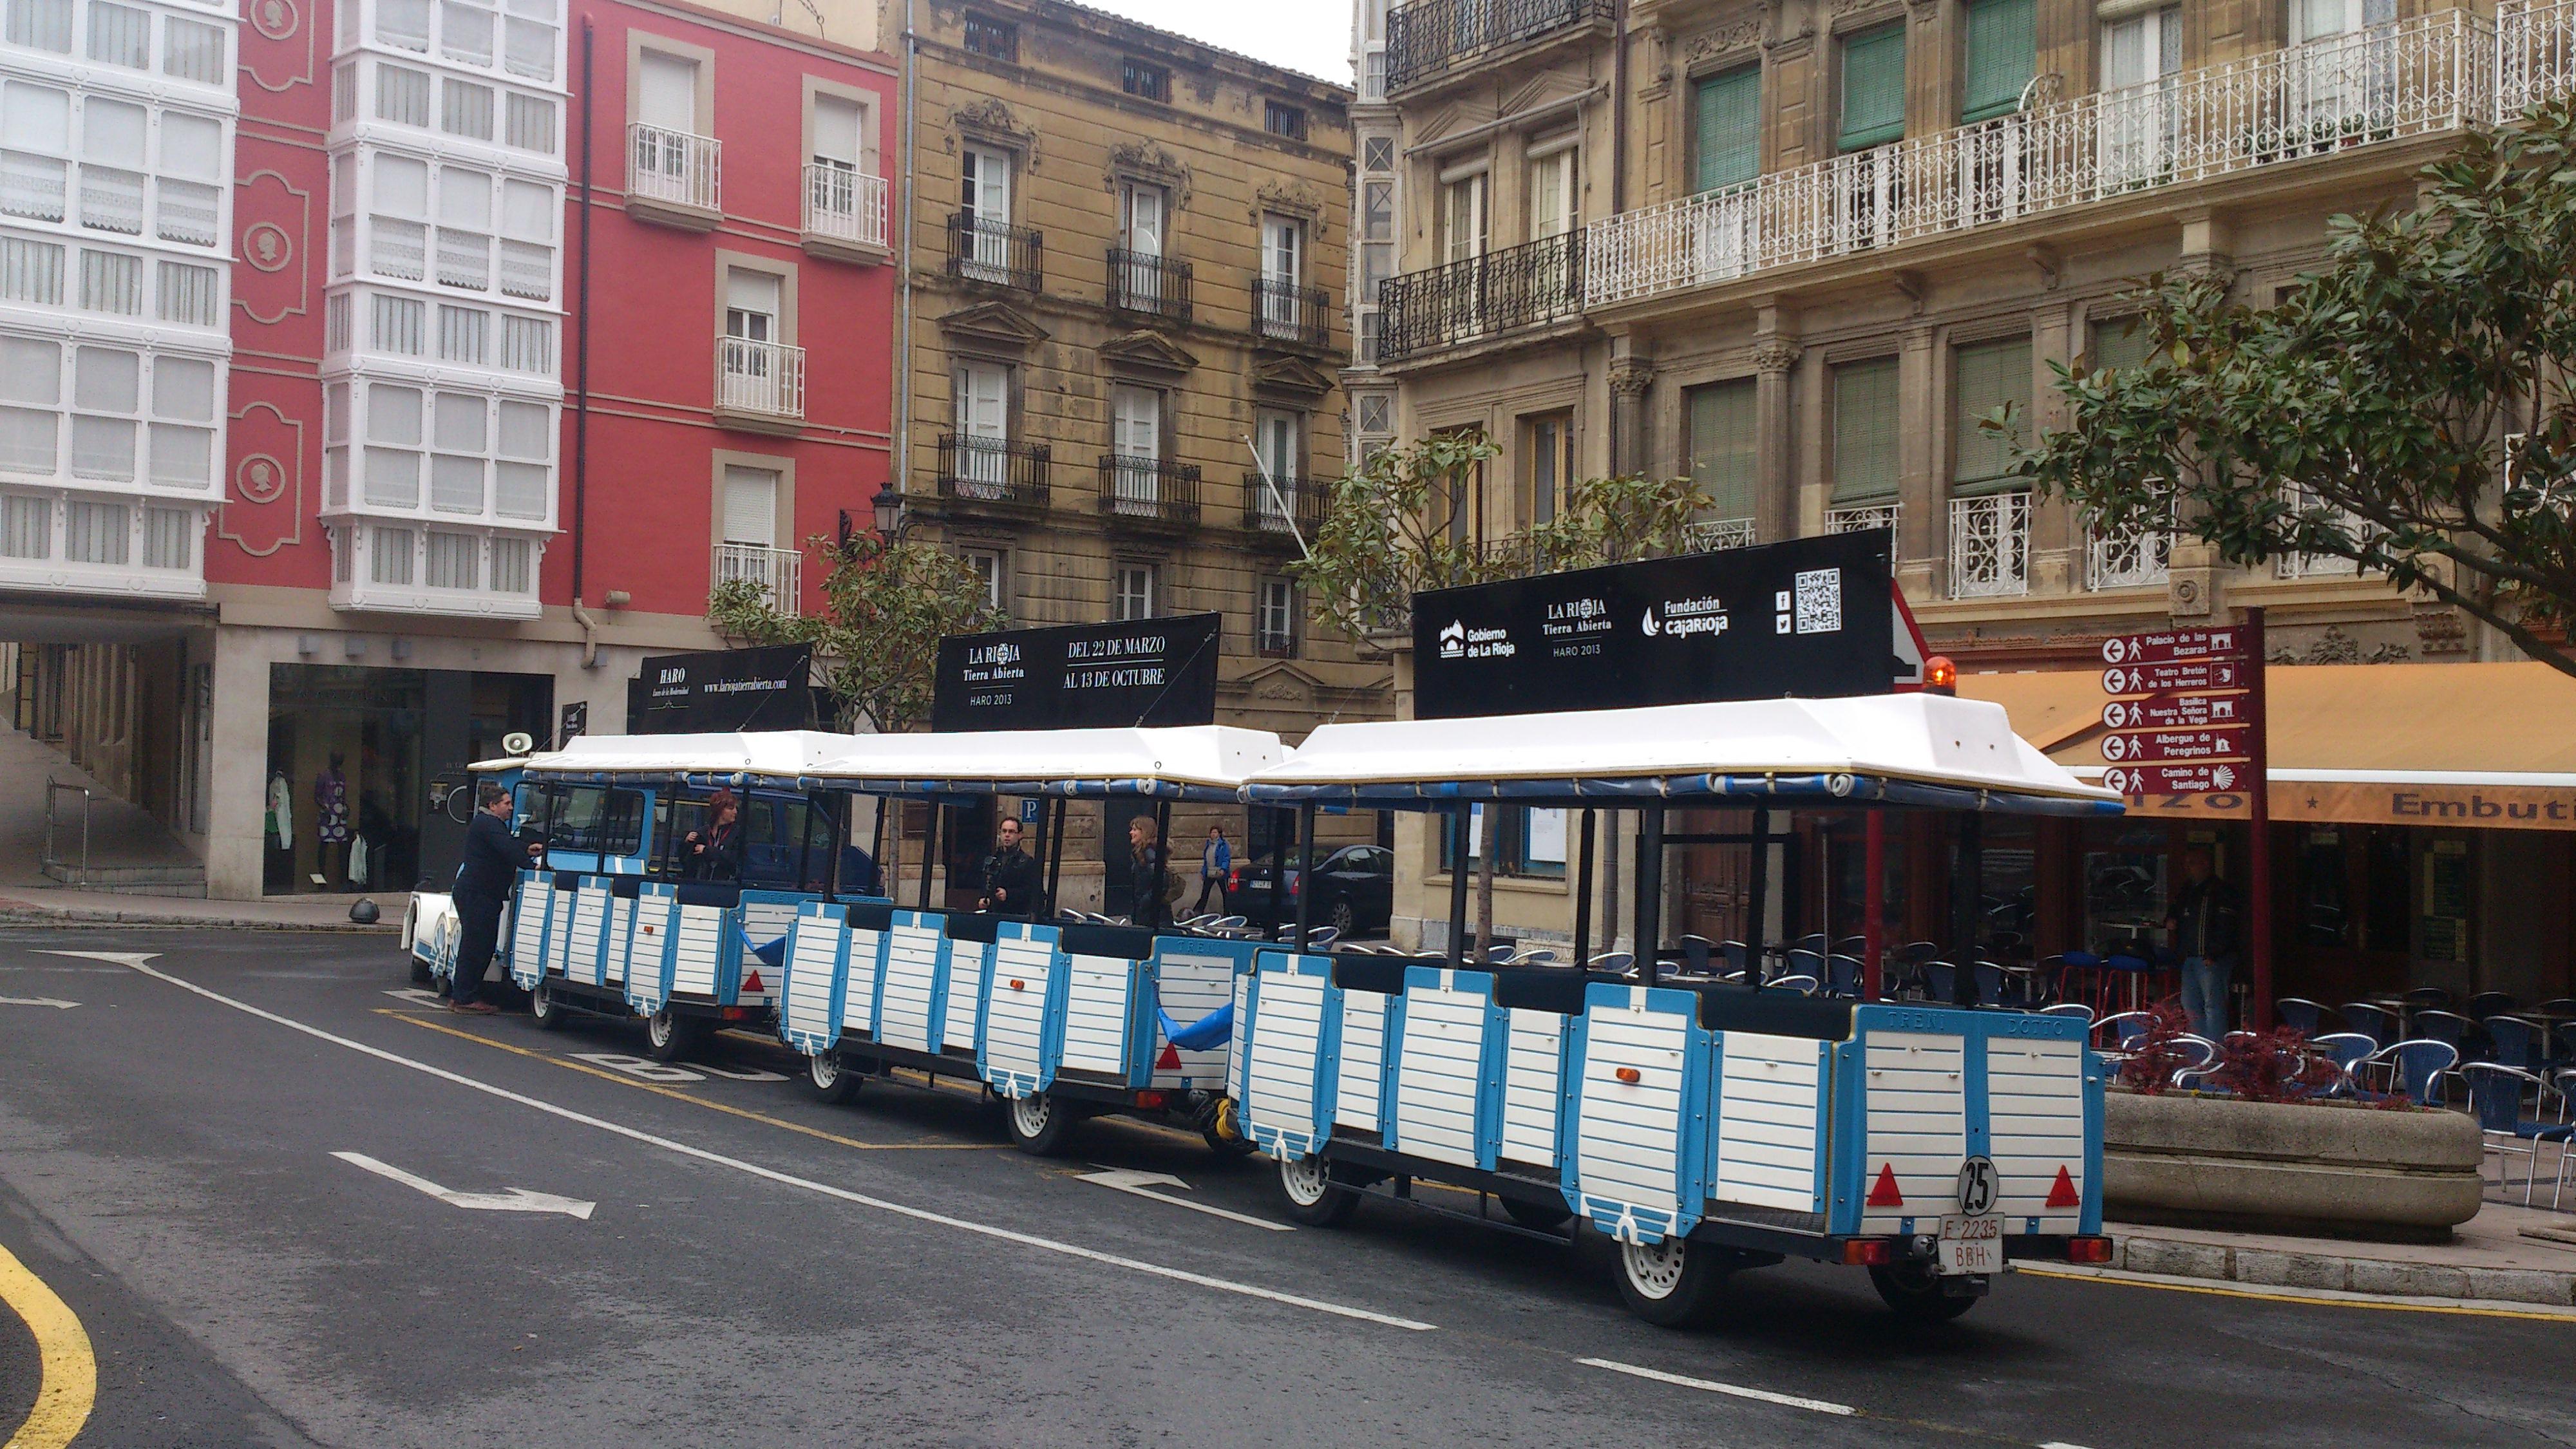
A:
2184	716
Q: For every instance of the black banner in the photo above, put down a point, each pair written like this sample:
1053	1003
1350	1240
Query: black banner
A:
1080	676
727	689
1814	618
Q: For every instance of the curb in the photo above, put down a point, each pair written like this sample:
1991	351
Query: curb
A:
2337	1273
22	915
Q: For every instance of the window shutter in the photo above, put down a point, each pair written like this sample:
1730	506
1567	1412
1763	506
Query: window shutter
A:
1989	375
2003	54
1728	121
1723	460
1873	88
751	506
667	92
1865	433
2119	342
836	130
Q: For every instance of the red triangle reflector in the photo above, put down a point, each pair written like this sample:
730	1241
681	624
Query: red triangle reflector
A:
2063	1193
1170	1060
1883	1193
751	982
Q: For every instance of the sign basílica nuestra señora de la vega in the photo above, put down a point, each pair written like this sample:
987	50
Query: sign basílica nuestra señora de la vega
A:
1810	618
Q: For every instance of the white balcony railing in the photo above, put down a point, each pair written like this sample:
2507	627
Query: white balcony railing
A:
2413	77
2535	53
2140	558
1990	546
765	378
1710	535
673	166
2299	498
774	569
845	205
1861	519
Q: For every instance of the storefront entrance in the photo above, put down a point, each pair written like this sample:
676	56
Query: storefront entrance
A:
351	751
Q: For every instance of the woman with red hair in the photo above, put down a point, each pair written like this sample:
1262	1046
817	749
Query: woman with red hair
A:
715	852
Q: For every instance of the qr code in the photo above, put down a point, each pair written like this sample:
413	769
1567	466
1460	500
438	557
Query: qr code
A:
1820	601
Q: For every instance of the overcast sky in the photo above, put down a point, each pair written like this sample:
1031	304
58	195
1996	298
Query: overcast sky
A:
1313	36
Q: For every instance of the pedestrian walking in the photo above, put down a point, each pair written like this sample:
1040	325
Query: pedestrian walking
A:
493	857
2203	930
1216	861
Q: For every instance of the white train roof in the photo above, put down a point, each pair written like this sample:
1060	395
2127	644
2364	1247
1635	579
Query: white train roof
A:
1196	760
1906	749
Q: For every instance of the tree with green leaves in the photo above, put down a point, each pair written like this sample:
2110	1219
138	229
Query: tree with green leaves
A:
2410	407
886	606
1387	535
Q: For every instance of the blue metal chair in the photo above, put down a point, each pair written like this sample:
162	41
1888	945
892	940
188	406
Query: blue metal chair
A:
1803	985
2377	1023
1615	963
2203	1055
1940	981
2489	1003
1697	952
2445	1026
2075	1009
1737	955
2416	1067
2429	998
1813	941
1842	976
1990	982
2121	1033
2348	1050
2307	1017
2495	1099
2517	1042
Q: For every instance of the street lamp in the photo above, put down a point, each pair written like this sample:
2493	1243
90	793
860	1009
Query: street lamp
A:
892	516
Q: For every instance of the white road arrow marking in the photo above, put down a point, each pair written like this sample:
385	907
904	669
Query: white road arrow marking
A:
37	1001
417	996
740	1074
644	1068
113	958
1128	1180
508	1200
1737	1391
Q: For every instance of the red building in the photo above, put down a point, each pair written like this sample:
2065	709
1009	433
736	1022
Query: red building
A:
541	322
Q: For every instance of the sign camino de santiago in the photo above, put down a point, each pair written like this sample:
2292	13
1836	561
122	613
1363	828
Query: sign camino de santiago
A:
2180	718
1809	618
1080	676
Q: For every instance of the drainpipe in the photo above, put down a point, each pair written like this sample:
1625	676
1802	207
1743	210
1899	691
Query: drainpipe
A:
910	81
581	370
1619	112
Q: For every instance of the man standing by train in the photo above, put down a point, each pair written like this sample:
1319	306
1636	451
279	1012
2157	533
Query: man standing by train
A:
492	859
1011	880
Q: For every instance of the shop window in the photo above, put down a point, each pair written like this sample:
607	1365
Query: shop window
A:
2124	898
1527	841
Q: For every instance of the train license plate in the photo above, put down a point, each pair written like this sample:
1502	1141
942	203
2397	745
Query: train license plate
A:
1972	1245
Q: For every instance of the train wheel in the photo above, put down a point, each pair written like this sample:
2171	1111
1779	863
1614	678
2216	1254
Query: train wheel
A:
828	1079
1669	1284
1538	1217
669	1036
1312	1197
1040	1125
543	1009
1915	1292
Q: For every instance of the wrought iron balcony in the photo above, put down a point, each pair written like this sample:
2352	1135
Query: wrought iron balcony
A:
1150	284
991	470
1493	295
1149	491
2426	75
1269	516
984	250
1282	311
1990	545
774	569
1430	38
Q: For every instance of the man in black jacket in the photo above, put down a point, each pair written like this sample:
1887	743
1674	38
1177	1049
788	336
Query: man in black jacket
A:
493	857
1011	883
2204	934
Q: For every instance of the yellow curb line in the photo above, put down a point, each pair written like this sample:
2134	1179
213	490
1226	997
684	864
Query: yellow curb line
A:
608	1076
2313	1300
68	1388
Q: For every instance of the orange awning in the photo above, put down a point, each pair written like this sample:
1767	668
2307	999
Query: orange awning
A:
2485	745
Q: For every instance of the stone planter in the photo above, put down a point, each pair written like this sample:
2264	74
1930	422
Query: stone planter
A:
2313	1169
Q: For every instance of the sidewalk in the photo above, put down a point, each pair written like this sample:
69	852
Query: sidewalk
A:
20	906
2495	1259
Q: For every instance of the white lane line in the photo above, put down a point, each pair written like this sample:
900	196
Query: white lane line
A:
507	1200
2060	1444
1738	1391
769	1174
58	1005
1129	1180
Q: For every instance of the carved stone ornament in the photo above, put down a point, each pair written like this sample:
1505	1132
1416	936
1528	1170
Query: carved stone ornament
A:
1776	356
1296	199
1145	161
992	119
1631	377
1739	34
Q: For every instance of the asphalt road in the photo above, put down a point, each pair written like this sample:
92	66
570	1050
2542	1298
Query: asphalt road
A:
762	1269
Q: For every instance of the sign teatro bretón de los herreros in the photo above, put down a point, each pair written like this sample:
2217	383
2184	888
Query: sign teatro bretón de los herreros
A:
1811	618
1141	672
